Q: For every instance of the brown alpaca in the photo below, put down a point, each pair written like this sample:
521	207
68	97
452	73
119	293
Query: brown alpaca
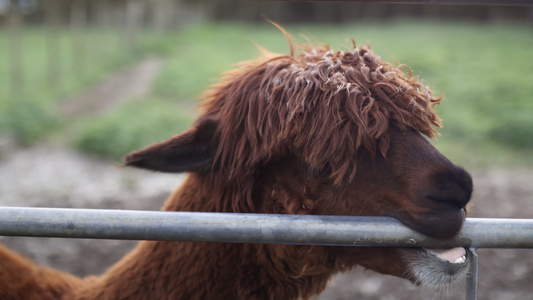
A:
320	132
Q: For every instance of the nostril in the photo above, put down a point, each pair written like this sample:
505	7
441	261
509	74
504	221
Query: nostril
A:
464	180
448	195
453	188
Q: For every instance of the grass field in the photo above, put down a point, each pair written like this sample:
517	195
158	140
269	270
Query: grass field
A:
485	72
80	58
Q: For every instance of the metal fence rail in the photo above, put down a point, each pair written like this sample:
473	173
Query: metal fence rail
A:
259	228
253	228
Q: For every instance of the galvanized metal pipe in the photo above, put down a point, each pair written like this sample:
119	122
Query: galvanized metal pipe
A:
472	280
253	228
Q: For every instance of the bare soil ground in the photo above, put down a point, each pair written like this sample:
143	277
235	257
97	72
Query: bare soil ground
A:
51	176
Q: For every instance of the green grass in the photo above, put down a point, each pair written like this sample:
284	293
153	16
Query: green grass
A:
82	58
136	125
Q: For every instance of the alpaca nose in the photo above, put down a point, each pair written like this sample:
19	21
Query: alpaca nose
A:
452	187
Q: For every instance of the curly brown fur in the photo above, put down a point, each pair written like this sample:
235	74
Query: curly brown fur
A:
315	104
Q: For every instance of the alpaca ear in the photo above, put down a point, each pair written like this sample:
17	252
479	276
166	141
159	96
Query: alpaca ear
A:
192	150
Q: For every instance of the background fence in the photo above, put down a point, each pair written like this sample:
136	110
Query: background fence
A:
126	20
70	29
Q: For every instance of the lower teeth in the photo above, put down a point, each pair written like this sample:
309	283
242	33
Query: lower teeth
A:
460	260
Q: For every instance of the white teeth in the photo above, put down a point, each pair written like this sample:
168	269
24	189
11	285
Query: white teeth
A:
460	260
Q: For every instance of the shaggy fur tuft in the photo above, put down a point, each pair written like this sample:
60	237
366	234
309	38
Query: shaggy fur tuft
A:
320	105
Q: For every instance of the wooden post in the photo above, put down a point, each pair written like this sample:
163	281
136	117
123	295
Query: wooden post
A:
102	44
133	23
52	16
78	24
162	11
15	25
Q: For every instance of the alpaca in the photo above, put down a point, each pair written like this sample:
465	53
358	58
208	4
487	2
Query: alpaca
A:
316	132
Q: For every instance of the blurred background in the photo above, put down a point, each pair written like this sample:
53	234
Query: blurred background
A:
85	82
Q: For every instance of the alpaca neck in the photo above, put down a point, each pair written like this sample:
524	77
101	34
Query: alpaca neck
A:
167	270
193	270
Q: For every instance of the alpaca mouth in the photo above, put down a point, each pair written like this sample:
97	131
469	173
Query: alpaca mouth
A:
437	267
454	255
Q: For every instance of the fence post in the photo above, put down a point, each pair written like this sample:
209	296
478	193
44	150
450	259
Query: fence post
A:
53	41
78	31
15	23
472	280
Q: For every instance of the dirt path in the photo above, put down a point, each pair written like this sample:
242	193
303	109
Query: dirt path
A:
49	176
125	85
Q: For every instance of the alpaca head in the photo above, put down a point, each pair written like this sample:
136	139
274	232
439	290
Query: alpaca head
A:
327	133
